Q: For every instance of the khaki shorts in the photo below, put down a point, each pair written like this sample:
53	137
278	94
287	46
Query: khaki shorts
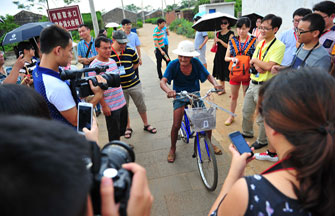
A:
137	95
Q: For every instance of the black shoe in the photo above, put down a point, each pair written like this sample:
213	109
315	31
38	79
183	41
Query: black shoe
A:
247	136
258	145
97	113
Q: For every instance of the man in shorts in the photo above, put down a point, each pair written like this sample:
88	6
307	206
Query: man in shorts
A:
186	72
127	61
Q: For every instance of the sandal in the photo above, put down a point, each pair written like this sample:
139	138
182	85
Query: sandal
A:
229	121
171	157
222	92
217	151
150	130
128	133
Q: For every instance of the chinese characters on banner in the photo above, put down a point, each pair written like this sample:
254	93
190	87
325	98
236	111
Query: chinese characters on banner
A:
66	17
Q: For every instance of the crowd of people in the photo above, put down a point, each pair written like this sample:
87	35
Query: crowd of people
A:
286	81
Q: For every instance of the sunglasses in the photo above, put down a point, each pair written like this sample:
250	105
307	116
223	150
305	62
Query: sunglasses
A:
224	22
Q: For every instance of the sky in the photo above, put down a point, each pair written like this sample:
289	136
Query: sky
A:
11	9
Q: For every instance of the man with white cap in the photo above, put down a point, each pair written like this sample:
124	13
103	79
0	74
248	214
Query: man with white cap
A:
186	72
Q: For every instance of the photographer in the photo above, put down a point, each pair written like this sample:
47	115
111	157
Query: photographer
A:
269	52
56	48
49	175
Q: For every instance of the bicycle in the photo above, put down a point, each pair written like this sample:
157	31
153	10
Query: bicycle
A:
200	120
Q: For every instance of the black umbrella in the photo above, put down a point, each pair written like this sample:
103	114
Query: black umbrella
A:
25	32
253	18
213	21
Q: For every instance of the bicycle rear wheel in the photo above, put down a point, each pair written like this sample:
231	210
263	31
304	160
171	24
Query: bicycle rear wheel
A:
206	161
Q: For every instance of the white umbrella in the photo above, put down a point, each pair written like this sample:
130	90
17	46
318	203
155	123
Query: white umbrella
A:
213	21
112	25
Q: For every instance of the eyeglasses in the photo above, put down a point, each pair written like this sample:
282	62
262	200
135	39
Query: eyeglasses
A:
264	28
296	20
301	31
224	23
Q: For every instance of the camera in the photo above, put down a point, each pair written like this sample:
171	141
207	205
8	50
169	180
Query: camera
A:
80	87
108	162
253	70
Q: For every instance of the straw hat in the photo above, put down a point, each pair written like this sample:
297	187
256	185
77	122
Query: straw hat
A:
186	48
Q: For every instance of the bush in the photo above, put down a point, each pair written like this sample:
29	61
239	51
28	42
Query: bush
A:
139	24
152	20
182	27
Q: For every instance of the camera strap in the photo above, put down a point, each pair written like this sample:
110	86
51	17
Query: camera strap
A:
308	54
88	48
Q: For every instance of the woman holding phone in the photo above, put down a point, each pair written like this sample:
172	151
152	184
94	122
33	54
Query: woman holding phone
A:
300	126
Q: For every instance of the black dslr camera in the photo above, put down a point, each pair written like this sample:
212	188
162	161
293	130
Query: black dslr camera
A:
80	87
108	162
253	70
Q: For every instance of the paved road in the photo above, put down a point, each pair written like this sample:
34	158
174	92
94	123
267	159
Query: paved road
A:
177	187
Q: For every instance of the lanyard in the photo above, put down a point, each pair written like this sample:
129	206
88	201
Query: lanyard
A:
276	167
118	57
260	50
295	35
266	52
245	43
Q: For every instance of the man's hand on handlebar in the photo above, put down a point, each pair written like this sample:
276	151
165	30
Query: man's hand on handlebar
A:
171	94
218	87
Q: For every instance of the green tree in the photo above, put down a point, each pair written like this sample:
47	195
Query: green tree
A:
187	3
132	8
171	7
5	27
238	6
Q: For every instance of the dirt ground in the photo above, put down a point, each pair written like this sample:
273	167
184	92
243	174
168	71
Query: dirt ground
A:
221	132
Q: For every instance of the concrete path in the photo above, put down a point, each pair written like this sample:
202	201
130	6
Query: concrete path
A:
177	188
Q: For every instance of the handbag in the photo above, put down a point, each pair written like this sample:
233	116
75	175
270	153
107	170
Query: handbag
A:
214	48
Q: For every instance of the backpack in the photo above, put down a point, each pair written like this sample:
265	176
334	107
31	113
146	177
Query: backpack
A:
240	72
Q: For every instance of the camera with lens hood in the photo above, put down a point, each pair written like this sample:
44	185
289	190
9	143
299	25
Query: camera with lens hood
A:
80	87
108	162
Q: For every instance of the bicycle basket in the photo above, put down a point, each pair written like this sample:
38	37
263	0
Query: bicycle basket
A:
201	118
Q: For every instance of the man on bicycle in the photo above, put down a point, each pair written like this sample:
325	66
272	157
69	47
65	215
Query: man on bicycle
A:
186	72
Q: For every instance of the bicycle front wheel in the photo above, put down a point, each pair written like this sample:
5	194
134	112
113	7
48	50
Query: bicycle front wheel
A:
206	161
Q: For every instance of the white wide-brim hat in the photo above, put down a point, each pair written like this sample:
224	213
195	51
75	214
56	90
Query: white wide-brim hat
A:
186	48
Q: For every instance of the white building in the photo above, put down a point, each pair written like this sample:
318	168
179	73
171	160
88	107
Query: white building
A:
283	8
224	7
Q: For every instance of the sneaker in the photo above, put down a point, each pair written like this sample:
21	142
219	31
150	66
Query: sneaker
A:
247	136
258	145
267	156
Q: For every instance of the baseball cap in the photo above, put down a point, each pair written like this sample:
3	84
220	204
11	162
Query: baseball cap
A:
120	36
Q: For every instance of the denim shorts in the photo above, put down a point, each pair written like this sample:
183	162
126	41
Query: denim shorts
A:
182	102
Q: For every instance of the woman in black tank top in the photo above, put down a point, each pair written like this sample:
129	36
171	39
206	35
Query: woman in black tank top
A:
299	119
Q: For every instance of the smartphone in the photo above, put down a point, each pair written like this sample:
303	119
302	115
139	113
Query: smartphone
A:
85	113
239	142
20	53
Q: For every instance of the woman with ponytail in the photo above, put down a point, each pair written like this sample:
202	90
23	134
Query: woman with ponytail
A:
298	108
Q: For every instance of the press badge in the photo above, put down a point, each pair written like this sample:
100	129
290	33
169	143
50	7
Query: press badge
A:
122	71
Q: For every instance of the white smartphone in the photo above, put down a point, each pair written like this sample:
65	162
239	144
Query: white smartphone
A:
85	113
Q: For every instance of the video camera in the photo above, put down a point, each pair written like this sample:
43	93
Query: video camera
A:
80	87
108	162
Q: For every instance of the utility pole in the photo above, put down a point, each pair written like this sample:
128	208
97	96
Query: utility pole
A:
143	13
124	15
94	18
162	10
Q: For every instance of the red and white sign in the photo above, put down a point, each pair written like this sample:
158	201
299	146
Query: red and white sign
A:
66	17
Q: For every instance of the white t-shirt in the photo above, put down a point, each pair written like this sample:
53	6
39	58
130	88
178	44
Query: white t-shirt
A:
58	93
